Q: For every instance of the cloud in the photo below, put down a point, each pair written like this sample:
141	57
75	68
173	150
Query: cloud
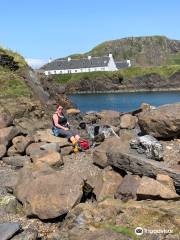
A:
36	63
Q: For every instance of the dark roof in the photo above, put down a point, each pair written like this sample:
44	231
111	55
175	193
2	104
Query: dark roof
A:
122	64
60	64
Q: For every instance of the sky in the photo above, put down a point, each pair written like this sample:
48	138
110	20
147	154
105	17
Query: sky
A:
44	29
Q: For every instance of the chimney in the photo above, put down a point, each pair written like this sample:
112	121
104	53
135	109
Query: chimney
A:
69	59
129	63
89	57
110	55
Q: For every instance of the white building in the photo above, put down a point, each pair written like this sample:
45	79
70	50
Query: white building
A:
89	64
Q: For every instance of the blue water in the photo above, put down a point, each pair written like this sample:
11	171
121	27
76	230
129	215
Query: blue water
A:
122	102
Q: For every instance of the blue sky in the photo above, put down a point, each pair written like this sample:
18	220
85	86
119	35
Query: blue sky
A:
40	29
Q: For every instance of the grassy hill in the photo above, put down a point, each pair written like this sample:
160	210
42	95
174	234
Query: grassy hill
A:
11	81
142	51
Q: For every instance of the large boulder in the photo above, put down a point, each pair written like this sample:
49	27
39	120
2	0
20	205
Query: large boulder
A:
47	136
47	193
5	118
16	161
166	180
122	142
109	117
140	165
7	134
12	151
148	145
21	142
35	148
162	122
153	189
128	121
51	157
111	181
128	187
134	187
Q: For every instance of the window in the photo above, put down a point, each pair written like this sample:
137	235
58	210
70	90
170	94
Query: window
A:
75	70
102	68
69	71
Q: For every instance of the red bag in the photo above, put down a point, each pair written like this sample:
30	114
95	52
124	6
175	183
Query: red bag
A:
84	144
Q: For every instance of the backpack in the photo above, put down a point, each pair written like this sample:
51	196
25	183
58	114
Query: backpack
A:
84	144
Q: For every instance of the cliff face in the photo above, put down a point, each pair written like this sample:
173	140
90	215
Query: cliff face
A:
150	81
142	51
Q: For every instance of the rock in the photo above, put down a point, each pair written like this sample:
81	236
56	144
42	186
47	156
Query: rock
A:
66	150
20	143
100	152
2	150
35	148
171	153
146	107
152	189
7	134
162	122
72	111
54	147
7	230
166	180
128	121
99	138
134	187
91	118
8	179
97	131
12	151
5	118
52	158
128	187
108	117
9	205
16	161
48	194
48	137
148	145
27	234
111	181
131	162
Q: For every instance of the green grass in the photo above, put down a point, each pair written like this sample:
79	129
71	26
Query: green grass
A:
12	85
123	230
17	57
164	71
68	78
126	73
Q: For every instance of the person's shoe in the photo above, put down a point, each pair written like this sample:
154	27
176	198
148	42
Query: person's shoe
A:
76	149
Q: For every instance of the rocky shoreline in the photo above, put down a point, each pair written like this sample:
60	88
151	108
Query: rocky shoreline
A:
129	178
131	91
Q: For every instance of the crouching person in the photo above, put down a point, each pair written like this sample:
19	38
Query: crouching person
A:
61	127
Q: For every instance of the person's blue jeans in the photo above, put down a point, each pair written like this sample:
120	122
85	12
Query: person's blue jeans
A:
59	132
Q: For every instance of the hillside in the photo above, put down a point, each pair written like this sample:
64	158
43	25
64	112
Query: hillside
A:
142	51
11	81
